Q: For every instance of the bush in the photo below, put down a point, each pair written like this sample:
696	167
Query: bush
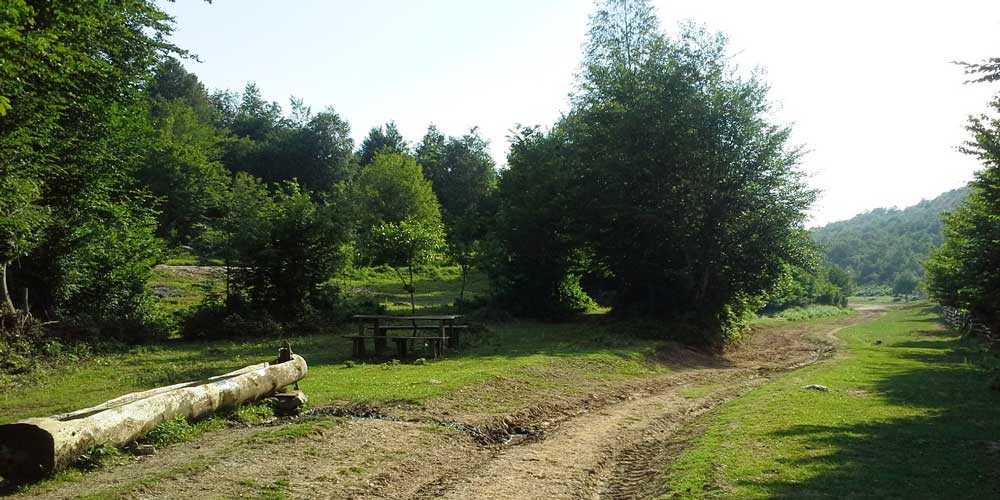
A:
281	247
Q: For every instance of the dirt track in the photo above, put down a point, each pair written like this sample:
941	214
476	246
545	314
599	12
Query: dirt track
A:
607	445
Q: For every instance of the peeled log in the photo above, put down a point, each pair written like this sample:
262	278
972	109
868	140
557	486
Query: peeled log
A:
33	448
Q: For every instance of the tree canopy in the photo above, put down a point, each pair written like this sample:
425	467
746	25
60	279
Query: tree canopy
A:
671	177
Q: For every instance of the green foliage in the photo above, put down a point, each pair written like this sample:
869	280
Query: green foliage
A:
800	313
281	246
104	273
182	169
21	224
815	284
532	258
965	271
667	173
72	75
464	178
314	149
877	247
380	139
393	189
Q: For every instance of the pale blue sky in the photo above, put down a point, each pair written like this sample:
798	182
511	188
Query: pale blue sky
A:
867	85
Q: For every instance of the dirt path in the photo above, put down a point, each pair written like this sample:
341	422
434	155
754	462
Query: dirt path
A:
611	443
616	452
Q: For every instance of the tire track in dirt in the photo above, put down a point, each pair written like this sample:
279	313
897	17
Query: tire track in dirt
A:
618	451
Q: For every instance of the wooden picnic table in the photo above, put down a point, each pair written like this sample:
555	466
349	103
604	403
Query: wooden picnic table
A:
442	332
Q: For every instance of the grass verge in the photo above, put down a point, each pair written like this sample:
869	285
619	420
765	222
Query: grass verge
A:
909	414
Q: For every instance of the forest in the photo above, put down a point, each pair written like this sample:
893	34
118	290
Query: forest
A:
633	281
118	157
884	249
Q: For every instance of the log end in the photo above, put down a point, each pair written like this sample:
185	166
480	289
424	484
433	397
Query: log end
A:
27	452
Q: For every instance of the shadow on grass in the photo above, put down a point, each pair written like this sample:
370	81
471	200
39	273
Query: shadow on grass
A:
952	452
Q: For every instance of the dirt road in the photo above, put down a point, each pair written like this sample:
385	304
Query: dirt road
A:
611	444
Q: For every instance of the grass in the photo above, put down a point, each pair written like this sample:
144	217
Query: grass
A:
507	351
178	291
437	288
808	312
909	414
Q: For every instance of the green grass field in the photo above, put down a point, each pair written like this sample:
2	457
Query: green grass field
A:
436	288
506	351
909	414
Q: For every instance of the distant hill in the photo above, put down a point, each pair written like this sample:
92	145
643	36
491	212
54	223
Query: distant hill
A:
878	246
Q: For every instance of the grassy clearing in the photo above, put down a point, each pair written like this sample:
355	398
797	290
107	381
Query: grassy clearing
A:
909	414
437	288
178	291
808	312
507	351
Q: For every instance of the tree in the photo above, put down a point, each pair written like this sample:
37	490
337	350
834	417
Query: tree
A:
381	139
905	284
676	181
404	245
393	189
71	87
171	82
964	272
183	170
315	149
532	256
398	214
281	247
21	225
464	179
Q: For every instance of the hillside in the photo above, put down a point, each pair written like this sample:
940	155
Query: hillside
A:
878	246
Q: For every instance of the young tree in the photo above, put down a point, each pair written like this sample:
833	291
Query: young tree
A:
399	216
404	245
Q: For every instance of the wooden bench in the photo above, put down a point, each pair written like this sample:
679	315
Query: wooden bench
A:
381	326
359	350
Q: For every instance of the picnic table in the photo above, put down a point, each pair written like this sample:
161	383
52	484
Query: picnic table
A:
438	331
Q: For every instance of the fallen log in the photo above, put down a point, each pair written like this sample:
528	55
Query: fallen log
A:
36	447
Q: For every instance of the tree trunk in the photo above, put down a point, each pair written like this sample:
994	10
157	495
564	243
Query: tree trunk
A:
7	302
413	300
33	448
465	277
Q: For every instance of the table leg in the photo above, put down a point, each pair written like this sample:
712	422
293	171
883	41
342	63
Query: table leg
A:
380	343
401	347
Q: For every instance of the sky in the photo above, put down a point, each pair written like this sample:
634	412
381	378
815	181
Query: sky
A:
868	87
